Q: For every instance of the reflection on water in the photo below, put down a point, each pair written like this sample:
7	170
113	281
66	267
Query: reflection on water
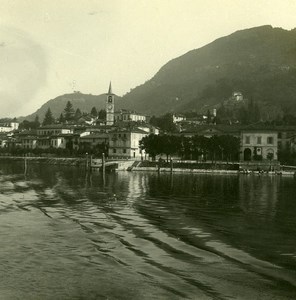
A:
67	234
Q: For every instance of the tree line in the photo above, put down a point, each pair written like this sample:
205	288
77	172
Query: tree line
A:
224	147
69	114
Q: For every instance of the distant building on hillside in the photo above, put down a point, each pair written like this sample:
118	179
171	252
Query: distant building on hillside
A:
178	118
10	126
237	96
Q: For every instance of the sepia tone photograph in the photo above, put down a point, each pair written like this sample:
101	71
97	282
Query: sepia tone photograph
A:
147	149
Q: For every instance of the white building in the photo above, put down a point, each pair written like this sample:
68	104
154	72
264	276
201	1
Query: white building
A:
178	118
10	126
127	115
54	129
124	143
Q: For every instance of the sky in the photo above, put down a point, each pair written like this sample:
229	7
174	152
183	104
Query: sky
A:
53	47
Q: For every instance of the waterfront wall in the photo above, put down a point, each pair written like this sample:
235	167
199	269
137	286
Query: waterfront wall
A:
47	160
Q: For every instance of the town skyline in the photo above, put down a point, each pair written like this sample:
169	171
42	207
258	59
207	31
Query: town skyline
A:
50	49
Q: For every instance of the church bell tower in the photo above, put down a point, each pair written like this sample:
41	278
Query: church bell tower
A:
110	107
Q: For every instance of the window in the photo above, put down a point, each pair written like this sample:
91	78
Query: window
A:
270	140
259	140
124	150
279	135
114	150
247	140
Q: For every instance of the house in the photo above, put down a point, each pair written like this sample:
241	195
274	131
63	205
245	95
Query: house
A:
28	142
54	129
285	136
124	143
9	126
88	119
150	129
127	115
178	118
3	140
43	142
93	140
259	144
211	130
58	141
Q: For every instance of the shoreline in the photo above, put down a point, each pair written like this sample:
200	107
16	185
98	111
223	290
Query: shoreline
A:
69	161
127	166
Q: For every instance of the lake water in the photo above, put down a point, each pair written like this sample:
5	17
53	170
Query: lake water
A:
66	234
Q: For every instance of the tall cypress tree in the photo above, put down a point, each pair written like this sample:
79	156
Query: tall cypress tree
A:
69	112
48	118
78	114
94	112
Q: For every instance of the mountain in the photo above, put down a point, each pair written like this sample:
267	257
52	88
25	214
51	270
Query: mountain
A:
259	62
85	102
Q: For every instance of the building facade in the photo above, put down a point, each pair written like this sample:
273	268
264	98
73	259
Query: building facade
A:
54	130
259	145
124	143
7	127
126	116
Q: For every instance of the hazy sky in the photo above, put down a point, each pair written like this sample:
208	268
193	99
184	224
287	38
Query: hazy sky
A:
53	47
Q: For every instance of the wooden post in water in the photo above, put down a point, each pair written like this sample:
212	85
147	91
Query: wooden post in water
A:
103	167
90	165
86	163
171	166
25	161
159	162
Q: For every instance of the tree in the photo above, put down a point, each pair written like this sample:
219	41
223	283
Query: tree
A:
78	114
36	121
61	119
69	112
48	118
102	114
150	144
164	122
94	112
229	147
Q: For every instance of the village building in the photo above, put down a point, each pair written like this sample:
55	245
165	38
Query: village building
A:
44	142
28	142
285	137
58	141
178	118
93	140
3	140
259	144
54	129
211	130
9	126
124	143
150	129
129	116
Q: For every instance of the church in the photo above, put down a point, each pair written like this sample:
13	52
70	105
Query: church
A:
128	128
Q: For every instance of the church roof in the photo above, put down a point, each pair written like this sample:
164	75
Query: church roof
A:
110	89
